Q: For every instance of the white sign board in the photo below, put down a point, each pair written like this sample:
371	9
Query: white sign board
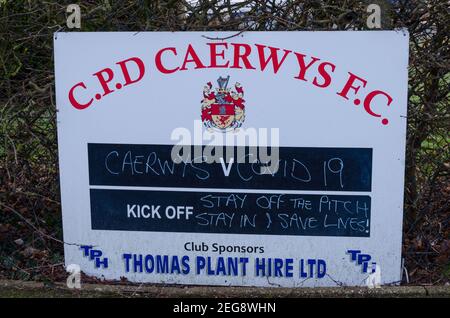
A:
307	192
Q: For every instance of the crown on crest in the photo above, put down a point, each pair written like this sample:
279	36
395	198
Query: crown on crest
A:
223	83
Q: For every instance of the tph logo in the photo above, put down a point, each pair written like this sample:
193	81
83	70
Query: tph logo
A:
95	255
362	260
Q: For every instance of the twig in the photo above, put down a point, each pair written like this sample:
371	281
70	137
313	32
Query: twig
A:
35	228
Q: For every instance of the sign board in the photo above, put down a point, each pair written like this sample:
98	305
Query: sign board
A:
255	158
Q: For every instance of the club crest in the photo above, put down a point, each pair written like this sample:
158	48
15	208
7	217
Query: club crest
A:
223	109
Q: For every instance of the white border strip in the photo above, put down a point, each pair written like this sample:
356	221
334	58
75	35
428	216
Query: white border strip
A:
171	189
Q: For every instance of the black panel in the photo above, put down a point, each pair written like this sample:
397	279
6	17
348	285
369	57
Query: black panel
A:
237	213
324	169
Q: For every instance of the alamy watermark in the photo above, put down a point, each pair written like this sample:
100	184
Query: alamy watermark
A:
73	20
74	279
374	19
251	145
374	278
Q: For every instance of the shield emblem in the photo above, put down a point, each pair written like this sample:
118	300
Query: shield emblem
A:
223	109
222	115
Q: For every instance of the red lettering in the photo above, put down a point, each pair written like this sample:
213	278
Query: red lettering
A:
325	75
126	74
191	56
370	97
74	102
214	54
103	81
238	56
272	57
349	85
302	65
159	64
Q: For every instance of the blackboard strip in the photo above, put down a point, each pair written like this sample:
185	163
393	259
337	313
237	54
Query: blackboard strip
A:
231	213
299	168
